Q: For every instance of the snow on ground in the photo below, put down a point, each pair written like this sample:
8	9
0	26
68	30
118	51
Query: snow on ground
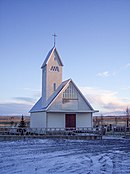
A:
34	156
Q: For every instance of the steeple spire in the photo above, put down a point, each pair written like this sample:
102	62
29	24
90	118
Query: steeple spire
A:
54	35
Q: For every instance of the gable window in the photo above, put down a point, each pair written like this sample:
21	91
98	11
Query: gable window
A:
70	93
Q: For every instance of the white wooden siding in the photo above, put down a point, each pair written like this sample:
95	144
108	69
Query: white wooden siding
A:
38	120
83	120
55	120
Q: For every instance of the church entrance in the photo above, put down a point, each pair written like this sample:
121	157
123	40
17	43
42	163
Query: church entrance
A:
70	121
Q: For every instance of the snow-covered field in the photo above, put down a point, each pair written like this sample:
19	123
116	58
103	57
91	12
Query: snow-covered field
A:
35	156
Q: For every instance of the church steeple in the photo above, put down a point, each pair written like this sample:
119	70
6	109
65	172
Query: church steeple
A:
51	74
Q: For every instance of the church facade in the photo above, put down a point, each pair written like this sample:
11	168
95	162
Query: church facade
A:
61	105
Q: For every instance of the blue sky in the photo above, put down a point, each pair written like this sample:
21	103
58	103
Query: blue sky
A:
93	42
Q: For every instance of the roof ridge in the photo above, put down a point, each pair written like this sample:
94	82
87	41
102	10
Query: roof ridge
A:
48	56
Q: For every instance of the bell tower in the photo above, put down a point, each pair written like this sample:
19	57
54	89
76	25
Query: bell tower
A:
51	74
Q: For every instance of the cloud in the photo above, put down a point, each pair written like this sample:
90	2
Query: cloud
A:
33	92
19	105
24	100
14	109
105	100
127	65
106	74
103	74
126	88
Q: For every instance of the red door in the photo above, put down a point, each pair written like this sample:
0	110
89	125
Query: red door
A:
70	120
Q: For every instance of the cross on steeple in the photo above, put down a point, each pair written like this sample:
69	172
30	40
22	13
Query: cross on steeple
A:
54	35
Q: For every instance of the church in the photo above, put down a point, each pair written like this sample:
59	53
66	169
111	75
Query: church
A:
62	105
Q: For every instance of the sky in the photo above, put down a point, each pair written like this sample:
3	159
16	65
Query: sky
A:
93	41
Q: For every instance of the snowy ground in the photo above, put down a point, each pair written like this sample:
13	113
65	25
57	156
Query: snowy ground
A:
107	156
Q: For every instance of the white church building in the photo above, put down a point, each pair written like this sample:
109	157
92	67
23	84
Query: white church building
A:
61	105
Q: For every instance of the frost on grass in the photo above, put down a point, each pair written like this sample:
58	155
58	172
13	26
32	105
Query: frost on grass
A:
65	156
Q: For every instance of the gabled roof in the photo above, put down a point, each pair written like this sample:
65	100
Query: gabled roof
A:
86	101
82	96
49	55
38	106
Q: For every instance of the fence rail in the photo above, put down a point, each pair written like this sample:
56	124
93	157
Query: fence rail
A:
49	131
80	131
